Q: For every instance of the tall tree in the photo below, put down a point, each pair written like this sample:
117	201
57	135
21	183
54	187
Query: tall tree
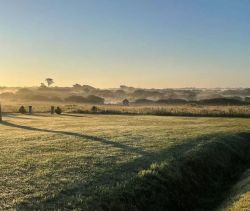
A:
49	81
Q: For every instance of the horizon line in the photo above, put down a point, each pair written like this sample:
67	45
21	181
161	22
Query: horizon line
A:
128	87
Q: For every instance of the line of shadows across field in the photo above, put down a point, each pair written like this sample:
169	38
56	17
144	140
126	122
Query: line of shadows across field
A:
123	147
73	196
194	172
16	116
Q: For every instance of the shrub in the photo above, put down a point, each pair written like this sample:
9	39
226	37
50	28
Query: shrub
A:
22	110
125	102
58	110
94	109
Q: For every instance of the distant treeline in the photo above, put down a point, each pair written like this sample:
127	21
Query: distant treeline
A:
30	95
214	101
88	94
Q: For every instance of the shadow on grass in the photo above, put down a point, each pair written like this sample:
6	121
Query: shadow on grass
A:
16	116
73	195
72	115
121	146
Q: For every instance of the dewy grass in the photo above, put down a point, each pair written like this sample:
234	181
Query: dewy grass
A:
195	181
61	162
238	198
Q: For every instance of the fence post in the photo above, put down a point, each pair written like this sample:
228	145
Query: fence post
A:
30	109
52	111
1	118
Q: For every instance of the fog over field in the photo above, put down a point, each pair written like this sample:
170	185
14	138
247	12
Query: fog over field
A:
81	93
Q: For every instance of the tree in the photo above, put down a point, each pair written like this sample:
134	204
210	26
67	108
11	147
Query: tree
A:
49	81
94	109
42	85
125	102
77	86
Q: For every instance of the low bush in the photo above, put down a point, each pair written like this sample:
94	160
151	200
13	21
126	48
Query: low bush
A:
22	110
58	110
94	109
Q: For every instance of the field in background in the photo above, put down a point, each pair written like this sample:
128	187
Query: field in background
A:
163	110
54	162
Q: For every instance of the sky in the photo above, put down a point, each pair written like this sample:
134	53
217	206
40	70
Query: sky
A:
141	43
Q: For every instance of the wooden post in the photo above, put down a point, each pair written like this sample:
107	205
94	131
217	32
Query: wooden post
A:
1	118
52	111
30	109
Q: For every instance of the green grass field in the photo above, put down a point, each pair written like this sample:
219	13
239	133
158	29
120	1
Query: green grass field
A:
61	162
